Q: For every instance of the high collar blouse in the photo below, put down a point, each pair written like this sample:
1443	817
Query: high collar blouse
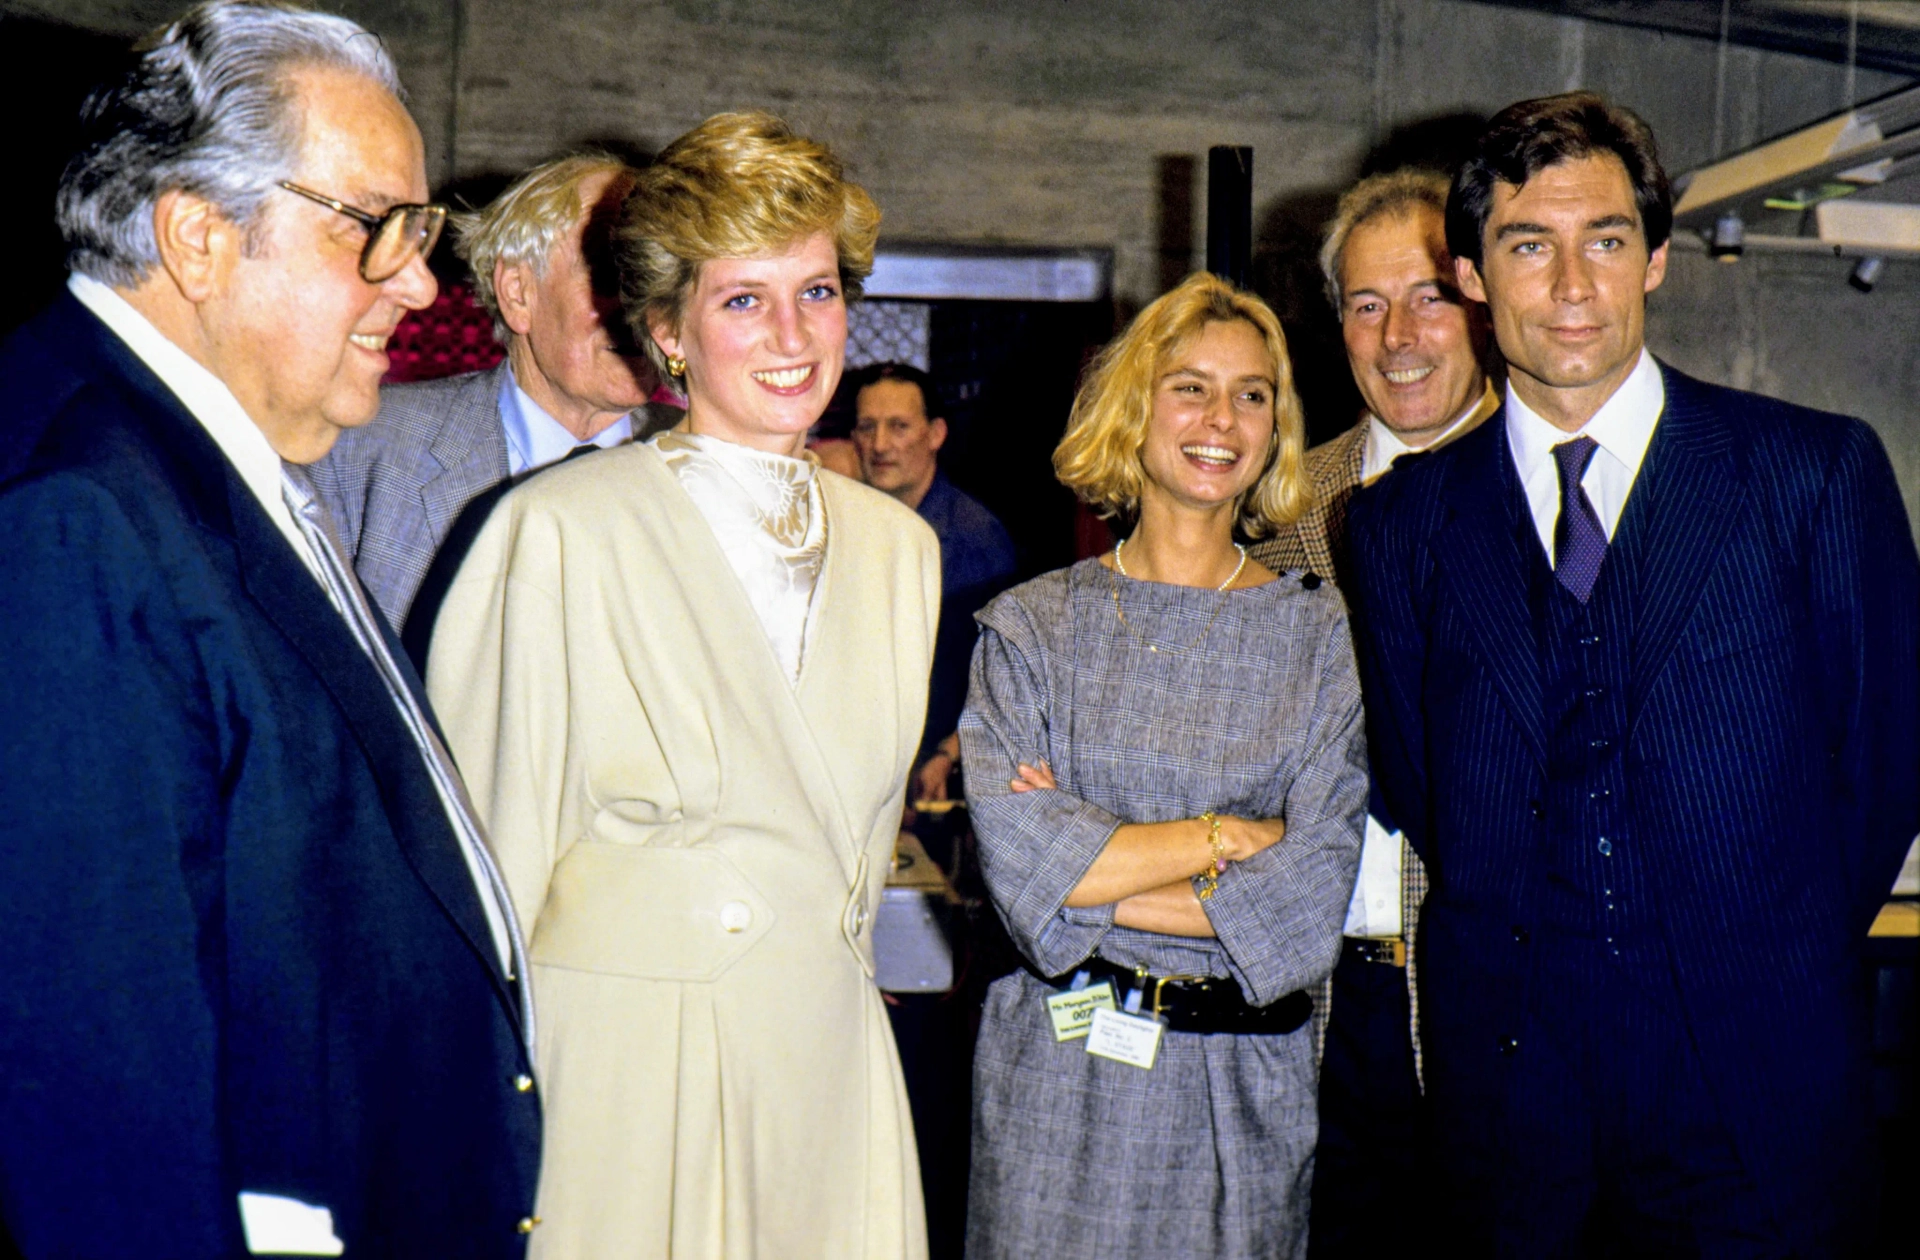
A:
770	518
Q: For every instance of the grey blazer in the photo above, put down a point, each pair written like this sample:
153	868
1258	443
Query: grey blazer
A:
396	485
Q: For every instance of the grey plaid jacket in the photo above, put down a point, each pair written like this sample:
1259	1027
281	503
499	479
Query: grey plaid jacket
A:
396	485
1317	543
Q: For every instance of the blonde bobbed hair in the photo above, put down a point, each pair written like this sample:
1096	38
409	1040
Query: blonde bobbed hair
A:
1099	458
523	224
739	185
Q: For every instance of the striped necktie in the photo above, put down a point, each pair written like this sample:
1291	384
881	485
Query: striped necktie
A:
351	600
1579	540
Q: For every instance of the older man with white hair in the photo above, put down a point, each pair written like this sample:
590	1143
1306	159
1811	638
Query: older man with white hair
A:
419	479
264	992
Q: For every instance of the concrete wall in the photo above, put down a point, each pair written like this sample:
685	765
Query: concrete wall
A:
993	121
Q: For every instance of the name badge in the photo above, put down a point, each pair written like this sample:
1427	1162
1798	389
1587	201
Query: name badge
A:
1124	1038
1072	1012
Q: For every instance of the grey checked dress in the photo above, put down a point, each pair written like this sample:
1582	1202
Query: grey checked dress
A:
1209	1153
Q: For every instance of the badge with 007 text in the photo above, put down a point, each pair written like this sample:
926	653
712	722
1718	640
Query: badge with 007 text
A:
1072	1012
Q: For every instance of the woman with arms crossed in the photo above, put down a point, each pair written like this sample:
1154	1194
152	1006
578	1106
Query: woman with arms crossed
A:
686	678
1139	727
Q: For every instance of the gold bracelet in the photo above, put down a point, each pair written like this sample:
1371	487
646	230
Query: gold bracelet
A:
1217	864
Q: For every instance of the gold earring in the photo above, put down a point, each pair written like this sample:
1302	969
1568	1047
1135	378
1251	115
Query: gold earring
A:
676	366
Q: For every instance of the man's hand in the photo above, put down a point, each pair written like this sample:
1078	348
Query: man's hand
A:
930	780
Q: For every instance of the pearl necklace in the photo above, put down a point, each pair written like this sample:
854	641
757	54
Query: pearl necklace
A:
1114	586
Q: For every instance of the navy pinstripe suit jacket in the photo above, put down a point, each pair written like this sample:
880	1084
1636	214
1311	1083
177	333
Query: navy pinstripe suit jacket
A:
1772	756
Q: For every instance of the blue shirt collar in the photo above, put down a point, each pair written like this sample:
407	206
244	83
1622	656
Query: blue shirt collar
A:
535	439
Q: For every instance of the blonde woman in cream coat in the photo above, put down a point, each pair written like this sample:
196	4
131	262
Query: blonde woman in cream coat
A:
685	679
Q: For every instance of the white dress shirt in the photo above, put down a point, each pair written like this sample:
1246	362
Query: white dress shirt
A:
1623	427
535	439
1375	909
1384	445
208	400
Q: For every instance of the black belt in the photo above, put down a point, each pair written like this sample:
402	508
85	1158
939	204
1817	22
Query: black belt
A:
1194	1006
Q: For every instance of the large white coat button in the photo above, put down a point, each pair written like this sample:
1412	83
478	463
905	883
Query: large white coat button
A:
859	918
736	916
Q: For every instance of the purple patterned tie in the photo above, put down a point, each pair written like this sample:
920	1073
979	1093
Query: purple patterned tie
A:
1579	542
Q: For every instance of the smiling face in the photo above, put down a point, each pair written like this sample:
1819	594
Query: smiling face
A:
1213	420
898	445
564	322
764	340
1566	275
1412	341
294	332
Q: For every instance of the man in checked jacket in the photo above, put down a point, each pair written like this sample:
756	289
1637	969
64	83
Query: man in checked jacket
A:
1416	349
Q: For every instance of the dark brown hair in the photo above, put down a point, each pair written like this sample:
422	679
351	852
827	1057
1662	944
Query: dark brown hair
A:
1525	138
905	373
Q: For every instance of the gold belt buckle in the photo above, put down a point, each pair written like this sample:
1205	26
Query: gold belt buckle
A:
1390	951
1160	982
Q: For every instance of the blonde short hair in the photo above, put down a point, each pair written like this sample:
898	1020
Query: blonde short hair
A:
1099	458
1376	197
524	223
739	185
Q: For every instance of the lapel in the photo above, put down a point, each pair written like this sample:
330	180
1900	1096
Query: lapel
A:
1479	551
1693	489
1338	477
287	595
862	692
280	587
731	631
470	448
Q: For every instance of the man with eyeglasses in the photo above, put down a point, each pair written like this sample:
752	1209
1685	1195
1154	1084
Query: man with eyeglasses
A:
262	991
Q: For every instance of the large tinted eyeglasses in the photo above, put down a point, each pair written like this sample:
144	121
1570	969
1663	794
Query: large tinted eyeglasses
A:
394	239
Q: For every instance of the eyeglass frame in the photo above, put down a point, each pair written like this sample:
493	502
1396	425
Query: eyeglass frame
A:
374	223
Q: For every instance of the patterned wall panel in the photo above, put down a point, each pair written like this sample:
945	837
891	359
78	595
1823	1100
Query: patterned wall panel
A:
890	332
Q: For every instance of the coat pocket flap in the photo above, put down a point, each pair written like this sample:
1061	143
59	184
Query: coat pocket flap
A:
653	912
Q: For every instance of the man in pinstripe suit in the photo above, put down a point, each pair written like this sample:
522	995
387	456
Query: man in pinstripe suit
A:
1416	349
1642	659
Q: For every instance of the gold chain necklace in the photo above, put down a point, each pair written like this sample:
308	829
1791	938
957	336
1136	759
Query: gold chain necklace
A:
1113	584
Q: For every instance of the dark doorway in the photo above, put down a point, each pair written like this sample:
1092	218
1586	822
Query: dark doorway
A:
46	70
1009	370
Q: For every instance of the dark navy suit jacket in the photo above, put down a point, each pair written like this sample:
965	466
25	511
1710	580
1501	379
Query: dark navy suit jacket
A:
243	951
977	562
1772	760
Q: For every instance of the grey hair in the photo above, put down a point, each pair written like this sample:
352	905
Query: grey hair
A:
1376	196
205	108
523	224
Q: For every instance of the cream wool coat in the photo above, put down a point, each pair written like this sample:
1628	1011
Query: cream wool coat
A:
696	848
